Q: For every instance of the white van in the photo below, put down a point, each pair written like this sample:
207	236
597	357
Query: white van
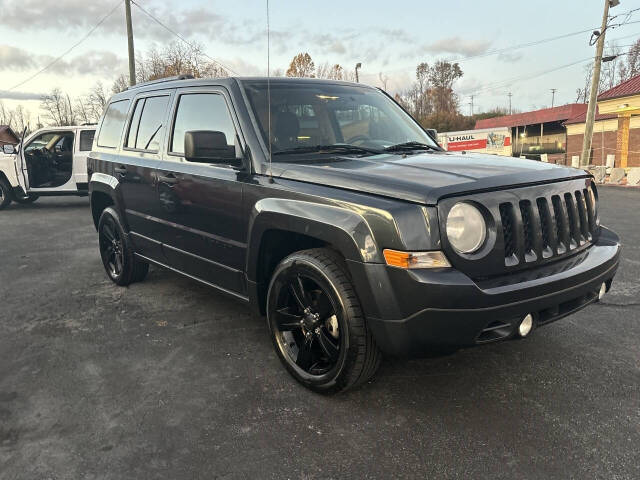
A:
50	161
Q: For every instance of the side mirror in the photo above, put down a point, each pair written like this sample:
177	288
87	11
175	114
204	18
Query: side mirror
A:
8	149
209	146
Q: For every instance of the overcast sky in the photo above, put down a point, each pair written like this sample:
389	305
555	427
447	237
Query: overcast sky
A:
387	37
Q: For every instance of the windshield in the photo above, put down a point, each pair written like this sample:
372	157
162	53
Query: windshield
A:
329	118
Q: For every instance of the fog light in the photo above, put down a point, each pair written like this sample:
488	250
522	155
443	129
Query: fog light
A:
603	290
525	325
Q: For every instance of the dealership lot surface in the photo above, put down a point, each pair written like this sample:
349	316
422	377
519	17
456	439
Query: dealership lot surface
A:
168	379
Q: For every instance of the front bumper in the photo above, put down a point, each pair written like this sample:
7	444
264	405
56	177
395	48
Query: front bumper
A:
411	312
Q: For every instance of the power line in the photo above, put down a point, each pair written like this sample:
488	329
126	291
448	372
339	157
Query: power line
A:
169	29
505	83
56	60
530	44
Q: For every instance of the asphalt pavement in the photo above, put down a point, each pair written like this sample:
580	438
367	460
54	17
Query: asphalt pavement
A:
167	379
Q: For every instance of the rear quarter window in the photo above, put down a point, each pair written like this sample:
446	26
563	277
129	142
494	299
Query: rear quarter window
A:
113	123
86	140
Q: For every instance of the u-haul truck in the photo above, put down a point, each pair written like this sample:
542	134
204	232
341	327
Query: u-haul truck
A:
489	140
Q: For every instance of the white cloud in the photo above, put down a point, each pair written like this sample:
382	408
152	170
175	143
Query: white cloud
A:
14	58
5	94
457	45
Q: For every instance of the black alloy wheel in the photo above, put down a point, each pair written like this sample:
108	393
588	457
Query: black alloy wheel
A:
111	248
317	325
116	251
306	320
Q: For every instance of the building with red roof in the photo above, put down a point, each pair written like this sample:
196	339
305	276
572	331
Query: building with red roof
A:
540	133
616	131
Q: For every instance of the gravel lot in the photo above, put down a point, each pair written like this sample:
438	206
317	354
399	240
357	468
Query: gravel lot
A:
168	379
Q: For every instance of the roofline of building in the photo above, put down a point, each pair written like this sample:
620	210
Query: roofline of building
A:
617	86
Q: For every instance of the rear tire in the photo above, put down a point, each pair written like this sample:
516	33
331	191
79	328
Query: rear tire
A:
116	251
28	199
317	325
6	195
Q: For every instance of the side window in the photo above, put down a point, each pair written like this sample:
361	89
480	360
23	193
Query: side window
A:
113	123
145	130
86	140
132	135
41	141
201	111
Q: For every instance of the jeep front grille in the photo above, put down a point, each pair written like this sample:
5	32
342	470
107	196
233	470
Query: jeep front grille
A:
544	232
527	226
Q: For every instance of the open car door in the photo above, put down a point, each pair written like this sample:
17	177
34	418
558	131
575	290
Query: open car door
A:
21	165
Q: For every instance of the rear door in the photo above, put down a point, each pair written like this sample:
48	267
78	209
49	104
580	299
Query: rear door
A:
203	229
137	171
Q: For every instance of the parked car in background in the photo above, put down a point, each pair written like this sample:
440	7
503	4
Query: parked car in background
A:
50	161
327	208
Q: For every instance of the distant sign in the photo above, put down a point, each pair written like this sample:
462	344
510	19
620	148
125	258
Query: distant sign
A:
496	141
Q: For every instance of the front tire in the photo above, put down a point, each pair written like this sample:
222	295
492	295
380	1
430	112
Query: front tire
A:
317	325
116	251
6	195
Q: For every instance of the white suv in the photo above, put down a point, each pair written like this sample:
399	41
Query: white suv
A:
50	161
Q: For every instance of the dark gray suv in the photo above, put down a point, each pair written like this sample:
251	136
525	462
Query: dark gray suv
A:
327	208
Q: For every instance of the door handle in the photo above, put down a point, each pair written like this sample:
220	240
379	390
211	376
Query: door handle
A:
169	179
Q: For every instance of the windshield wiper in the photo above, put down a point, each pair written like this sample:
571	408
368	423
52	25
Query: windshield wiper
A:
337	148
410	146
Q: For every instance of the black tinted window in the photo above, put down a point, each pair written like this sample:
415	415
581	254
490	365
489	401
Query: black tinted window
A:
112	124
145	131
86	140
201	111
135	123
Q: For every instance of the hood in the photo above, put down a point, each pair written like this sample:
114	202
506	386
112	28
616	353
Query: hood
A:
425	177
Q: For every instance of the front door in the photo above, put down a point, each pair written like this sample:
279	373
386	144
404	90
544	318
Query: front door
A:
204	231
47	161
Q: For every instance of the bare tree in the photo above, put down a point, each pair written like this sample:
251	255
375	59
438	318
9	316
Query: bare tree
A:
83	110
174	59
332	72
6	115
58	109
609	76
121	83
97	100
630	67
610	69
21	118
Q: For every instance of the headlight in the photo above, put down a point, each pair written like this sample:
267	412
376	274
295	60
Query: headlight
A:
466	228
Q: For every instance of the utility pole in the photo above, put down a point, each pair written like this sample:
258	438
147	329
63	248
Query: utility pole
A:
595	81
510	95
553	96
472	104
132	58
358	66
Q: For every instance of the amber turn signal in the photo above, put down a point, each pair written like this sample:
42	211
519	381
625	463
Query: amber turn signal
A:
399	259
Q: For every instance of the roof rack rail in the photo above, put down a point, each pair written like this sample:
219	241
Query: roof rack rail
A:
162	80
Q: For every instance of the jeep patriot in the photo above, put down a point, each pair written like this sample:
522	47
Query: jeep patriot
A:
334	214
